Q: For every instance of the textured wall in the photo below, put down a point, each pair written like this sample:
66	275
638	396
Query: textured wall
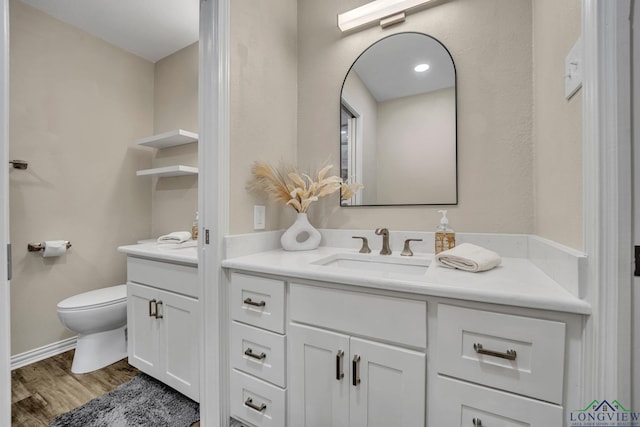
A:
490	42
77	105
175	106
557	131
263	105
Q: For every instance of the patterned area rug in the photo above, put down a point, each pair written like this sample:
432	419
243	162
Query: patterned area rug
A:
143	401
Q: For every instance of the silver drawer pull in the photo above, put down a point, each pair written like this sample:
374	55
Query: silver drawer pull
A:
356	370
509	354
249	352
339	372
249	301
158	314
477	422
152	304
250	404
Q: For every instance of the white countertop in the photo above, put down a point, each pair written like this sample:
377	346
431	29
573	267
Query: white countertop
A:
516	282
184	253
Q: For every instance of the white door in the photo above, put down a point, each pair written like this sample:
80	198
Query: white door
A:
5	341
635	75
387	386
179	342
318	377
142	328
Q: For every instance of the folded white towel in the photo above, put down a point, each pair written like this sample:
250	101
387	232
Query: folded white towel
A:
469	257
175	237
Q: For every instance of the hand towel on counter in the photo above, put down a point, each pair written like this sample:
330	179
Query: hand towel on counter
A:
469	257
175	237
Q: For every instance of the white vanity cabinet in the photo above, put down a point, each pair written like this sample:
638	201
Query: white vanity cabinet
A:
497	369
163	322
352	359
257	350
402	354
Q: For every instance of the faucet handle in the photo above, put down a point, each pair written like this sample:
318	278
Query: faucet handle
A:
406	251
365	244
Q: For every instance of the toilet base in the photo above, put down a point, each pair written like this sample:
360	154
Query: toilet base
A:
100	349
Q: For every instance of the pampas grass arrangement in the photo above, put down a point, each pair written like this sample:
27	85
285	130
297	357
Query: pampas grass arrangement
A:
296	189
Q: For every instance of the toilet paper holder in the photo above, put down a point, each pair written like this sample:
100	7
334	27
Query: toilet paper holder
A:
35	247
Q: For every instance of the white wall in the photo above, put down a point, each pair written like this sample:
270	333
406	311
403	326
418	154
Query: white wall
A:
490	42
77	104
264	101
175	200
430	159
557	125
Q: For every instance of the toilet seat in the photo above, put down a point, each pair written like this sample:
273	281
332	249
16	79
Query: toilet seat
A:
95	299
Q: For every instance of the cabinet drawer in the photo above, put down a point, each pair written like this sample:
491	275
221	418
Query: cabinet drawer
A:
258	301
473	345
391	319
177	278
459	403
256	402
258	352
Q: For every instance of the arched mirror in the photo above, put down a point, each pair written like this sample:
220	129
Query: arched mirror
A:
398	123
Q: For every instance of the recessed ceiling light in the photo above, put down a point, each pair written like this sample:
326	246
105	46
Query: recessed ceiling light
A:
420	68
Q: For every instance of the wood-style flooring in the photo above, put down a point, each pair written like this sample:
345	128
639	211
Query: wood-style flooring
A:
43	390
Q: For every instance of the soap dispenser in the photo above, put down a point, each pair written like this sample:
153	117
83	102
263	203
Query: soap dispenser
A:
445	236
194	228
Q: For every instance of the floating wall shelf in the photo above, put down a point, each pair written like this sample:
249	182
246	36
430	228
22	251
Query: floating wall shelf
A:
169	139
177	170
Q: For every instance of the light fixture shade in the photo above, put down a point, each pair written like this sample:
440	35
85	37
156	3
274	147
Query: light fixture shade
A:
374	11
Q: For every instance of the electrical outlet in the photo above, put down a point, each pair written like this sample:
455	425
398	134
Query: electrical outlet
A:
573	70
258	217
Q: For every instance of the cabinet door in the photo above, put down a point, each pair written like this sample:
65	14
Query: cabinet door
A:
389	385
179	342
319	395
142	329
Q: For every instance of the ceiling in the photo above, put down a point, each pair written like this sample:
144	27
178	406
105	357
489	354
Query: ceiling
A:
387	67
151	29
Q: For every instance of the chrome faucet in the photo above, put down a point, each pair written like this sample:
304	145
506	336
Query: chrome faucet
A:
385	241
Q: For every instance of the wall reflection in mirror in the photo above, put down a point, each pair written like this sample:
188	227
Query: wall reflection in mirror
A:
398	123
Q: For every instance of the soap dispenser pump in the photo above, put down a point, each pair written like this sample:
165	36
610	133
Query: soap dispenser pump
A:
445	236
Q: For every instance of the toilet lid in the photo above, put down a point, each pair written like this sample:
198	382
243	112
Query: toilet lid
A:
96	298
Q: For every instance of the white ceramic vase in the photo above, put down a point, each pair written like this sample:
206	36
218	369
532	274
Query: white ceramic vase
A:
301	236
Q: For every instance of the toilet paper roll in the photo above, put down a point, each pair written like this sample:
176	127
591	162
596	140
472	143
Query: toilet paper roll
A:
54	248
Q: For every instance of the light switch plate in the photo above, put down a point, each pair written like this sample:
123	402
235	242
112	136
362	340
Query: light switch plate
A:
573	70
258	217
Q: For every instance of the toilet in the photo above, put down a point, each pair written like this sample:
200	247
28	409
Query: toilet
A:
99	317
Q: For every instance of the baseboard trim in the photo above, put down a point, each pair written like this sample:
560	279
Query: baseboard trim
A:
41	353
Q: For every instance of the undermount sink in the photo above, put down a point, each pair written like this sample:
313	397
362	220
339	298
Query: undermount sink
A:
376	263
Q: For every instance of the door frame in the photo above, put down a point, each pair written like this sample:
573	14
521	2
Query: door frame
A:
606	137
5	303
213	206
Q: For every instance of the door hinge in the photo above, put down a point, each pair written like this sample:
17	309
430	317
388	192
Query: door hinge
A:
206	236
637	261
9	272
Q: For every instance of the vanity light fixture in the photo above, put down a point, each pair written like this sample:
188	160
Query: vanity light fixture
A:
421	68
377	11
